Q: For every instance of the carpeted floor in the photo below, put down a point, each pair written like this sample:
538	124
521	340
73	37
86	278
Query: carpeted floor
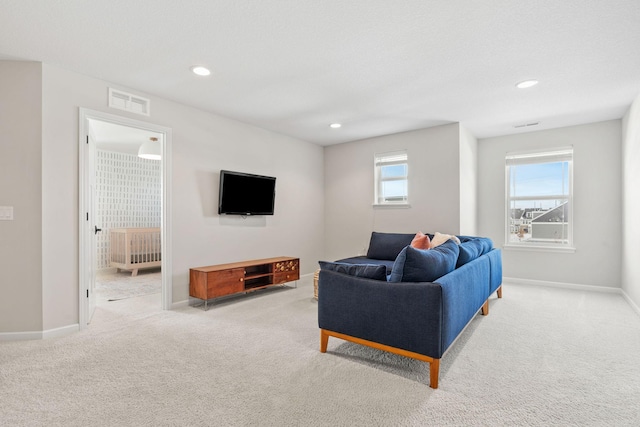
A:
543	357
114	286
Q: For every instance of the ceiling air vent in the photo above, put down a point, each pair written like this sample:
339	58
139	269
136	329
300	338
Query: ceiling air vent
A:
128	102
524	125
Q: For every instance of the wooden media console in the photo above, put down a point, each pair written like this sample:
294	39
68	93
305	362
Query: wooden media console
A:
220	280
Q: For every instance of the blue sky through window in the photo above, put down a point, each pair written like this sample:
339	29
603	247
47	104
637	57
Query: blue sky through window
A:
394	171
540	179
394	188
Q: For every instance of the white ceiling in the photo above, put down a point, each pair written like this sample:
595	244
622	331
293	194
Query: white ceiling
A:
377	66
118	138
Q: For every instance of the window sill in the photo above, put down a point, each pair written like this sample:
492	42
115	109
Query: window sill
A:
539	248
392	206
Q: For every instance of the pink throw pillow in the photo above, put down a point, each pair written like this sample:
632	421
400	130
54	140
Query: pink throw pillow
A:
421	241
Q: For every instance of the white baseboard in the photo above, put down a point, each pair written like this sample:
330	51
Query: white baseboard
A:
20	336
38	335
606	289
563	285
180	304
60	332
633	305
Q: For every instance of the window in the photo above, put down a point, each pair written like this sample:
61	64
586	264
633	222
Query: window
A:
392	178
539	198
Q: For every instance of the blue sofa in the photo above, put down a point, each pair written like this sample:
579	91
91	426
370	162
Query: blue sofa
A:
408	301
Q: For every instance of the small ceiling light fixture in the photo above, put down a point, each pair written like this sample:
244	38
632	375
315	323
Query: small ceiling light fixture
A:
527	83
335	125
150	150
200	70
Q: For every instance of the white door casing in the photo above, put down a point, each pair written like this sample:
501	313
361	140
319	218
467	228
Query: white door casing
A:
92	224
87	209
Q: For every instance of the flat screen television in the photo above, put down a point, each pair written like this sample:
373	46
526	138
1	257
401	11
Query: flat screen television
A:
246	194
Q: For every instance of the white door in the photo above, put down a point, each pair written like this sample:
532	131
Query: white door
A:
88	230
88	208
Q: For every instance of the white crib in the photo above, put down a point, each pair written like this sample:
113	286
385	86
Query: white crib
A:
133	249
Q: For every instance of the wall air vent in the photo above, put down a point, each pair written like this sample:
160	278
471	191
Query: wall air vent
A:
128	102
524	125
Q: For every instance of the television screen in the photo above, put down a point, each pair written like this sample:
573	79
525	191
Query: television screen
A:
246	194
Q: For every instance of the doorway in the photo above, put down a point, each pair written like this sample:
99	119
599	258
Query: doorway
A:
107	140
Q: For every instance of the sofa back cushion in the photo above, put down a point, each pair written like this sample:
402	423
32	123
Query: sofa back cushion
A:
471	248
388	245
416	265
487	244
367	271
370	261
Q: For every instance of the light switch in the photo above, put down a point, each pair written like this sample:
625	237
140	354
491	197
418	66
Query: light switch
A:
6	213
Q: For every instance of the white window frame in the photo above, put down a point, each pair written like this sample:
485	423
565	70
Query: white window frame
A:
390	159
561	154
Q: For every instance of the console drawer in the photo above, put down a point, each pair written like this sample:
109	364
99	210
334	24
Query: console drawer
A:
286	276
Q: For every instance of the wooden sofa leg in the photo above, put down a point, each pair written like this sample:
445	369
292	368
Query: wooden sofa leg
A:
434	372
434	364
485	308
499	291
324	340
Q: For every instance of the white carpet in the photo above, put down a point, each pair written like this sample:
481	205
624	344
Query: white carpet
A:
542	357
114	286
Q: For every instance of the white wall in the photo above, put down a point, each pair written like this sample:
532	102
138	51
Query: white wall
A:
631	203
21	187
597	202
468	183
203	143
434	188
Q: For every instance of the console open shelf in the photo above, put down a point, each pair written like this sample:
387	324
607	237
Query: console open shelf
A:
215	281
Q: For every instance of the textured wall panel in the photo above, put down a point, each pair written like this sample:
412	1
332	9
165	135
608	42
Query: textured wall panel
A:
128	194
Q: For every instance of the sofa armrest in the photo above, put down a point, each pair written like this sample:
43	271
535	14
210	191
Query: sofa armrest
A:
402	315
464	291
495	260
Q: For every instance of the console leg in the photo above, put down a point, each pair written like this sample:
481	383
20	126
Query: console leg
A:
324	340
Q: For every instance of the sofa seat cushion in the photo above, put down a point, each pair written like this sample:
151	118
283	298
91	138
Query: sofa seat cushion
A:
415	265
387	246
367	271
364	260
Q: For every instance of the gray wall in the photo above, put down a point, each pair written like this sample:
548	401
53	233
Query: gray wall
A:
468	183
203	143
631	203
597	201
434	188
21	187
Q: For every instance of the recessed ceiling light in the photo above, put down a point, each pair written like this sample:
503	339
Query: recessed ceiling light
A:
200	70
527	83
335	125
